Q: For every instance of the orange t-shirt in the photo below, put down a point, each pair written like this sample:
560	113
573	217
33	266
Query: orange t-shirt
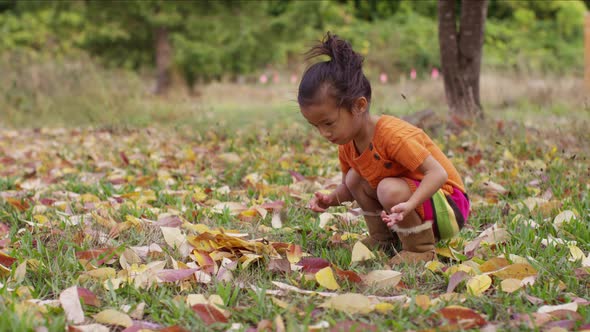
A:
396	150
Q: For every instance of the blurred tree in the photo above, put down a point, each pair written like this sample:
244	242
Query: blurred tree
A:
461	52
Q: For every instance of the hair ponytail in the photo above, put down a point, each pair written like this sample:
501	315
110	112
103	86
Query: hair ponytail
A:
342	76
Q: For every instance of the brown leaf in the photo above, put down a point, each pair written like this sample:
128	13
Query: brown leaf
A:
19	204
294	253
88	297
348	275
279	265
209	314
6	260
464	317
104	254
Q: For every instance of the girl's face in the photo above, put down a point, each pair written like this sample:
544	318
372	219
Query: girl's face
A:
336	124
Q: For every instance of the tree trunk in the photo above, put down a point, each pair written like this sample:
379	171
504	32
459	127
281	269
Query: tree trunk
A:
460	52
163	60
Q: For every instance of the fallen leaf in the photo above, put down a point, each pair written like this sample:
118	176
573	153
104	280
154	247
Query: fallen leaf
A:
88	328
494	264
550	308
313	264
88	297
171	275
276	220
510	285
563	217
423	301
113	317
348	275
325	277
515	271
479	284
350	303
382	278
576	253
70	302
465	318
361	253
455	279
209	313
294	253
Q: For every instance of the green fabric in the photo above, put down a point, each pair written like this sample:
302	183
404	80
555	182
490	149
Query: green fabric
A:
445	216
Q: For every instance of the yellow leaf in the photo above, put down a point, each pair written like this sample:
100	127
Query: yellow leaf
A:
461	267
350	303
423	301
479	284
435	266
101	273
113	317
89	198
384	307
383	278
40	218
361	253
294	253
446	252
493	264
576	253
516	271
510	285
325	277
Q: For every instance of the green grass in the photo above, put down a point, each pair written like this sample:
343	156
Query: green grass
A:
530	154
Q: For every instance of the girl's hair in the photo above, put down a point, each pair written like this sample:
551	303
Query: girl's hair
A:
341	77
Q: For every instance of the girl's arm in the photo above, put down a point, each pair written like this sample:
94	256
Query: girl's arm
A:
320	202
434	178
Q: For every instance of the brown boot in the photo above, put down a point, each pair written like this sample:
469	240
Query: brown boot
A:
380	236
417	244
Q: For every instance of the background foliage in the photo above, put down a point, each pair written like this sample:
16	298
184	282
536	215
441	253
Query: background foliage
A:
229	39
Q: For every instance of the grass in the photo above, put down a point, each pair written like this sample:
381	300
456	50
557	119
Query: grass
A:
532	145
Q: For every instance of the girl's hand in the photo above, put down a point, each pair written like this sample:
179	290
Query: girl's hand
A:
398	213
320	202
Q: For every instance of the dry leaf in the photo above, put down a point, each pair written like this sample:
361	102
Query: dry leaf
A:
350	303
361	253
70	302
294	253
276	220
325	277
423	301
563	217
479	284
464	318
515	271
510	285
383	278
113	317
550	308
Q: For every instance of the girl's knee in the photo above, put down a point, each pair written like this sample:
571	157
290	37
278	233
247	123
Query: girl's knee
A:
353	181
392	191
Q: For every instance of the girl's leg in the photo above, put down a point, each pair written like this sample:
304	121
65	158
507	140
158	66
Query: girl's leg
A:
380	236
417	236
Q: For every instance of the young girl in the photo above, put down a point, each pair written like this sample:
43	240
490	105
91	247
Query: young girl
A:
402	181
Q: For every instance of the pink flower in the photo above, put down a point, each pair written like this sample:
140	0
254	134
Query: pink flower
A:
434	74
263	79
383	78
413	74
275	78
293	79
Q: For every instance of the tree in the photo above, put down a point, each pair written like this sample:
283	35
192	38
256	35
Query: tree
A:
461	52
